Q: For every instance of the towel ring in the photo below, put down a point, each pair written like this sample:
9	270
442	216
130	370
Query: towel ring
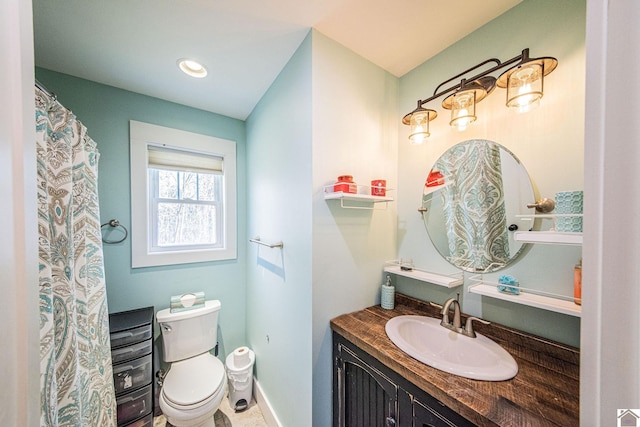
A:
115	223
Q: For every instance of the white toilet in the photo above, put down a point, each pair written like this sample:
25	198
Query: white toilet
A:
196	382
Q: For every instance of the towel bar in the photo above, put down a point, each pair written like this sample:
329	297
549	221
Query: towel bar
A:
260	242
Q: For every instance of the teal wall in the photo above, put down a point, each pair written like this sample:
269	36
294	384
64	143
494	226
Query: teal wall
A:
301	136
355	114
549	141
279	201
106	112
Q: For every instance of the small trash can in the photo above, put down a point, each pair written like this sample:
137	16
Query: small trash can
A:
240	374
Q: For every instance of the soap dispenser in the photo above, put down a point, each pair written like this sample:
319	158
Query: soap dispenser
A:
388	295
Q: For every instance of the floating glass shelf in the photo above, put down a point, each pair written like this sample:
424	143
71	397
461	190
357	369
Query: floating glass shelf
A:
531	297
449	281
549	237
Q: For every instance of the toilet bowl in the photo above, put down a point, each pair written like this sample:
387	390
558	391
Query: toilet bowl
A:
196	381
193	390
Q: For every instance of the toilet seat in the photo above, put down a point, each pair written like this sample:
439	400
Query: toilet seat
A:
192	383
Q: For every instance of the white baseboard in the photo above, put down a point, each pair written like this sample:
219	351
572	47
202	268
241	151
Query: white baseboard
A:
263	403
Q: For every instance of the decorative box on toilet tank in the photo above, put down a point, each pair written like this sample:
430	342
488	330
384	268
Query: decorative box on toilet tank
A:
131	334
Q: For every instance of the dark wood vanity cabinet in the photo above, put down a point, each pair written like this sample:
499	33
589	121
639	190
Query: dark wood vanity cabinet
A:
363	395
368	394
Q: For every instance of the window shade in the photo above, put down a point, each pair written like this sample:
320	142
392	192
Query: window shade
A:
172	159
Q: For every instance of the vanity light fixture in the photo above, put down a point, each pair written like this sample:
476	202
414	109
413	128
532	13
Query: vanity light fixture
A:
192	68
463	109
419	123
463	102
523	81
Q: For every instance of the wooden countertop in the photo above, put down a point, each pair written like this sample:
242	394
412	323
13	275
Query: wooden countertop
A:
545	392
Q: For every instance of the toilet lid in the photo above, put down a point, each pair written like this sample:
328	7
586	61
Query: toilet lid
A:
193	380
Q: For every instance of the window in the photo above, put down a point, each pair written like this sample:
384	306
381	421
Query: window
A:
185	195
183	201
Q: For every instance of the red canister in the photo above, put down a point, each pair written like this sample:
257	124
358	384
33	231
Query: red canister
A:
378	187
345	184
434	179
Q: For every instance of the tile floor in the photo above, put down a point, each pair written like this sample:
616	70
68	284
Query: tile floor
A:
227	417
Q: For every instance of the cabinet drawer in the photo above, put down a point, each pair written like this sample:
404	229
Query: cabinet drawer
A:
131	351
132	374
134	405
131	336
147	421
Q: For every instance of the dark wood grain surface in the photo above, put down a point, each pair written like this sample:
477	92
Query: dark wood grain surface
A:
545	392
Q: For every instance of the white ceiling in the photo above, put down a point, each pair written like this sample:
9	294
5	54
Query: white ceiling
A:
134	45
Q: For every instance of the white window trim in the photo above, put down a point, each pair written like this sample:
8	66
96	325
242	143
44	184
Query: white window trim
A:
141	136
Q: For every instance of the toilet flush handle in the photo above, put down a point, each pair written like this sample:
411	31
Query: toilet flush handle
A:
166	328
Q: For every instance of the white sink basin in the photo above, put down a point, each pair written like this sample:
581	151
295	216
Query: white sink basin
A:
424	339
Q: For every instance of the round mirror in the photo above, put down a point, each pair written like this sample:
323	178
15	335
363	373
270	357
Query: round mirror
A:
470	205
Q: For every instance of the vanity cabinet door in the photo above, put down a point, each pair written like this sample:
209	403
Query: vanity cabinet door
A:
436	415
366	393
363	396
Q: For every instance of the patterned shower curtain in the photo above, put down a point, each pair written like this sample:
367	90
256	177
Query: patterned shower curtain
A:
475	214
76	377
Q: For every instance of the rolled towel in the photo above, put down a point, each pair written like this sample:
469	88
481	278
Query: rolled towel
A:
512	283
186	302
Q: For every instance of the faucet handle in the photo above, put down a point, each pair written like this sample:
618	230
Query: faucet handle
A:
468	327
436	305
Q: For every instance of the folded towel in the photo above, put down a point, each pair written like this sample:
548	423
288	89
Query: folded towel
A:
513	285
186	302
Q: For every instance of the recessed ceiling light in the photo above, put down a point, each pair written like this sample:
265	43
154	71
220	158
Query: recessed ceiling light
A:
192	68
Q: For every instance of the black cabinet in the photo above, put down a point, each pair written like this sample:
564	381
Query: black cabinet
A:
435	414
368	394
366	397
131	334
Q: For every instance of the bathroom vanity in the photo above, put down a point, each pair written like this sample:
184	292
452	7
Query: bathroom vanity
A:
377	384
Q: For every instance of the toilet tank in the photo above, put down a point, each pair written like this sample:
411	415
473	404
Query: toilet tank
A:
188	333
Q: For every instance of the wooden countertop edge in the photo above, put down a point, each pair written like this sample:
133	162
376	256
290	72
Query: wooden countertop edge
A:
548	375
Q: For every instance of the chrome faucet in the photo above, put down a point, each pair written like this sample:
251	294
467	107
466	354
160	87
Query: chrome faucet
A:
456	325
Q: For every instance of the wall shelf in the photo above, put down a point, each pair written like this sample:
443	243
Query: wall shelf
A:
431	190
355	200
548	237
531	297
547	216
448	281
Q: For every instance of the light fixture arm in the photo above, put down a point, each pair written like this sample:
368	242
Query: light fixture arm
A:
497	61
523	57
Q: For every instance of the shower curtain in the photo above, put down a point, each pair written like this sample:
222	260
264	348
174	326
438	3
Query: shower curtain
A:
76	377
475	214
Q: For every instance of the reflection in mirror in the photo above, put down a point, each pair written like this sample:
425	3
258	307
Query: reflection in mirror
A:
471	200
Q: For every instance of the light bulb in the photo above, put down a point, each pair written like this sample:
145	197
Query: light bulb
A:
462	123
463	110
419	127
524	88
417	139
